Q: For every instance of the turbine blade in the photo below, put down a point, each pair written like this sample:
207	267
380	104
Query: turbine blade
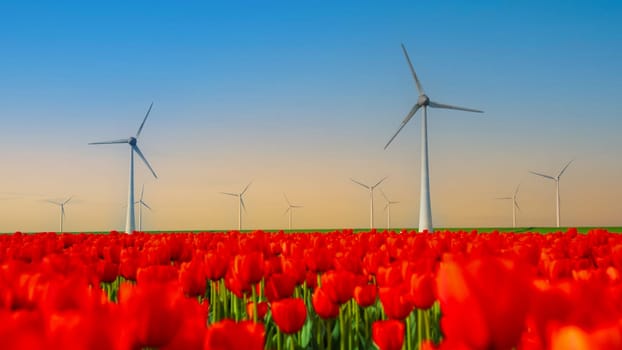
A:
62	211
356	182
140	128
517	206
379	182
142	191
287	200
146	205
297	206
67	201
386	206
140	154
412	70
109	142
546	176
444	106
385	196
246	188
393	202
404	122
564	169
242	202
503	198
53	202
516	190
230	194
287	210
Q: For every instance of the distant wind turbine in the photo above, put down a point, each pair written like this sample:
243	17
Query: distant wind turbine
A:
515	206
290	209
62	210
371	199
556	179
425	206
240	204
387	208
133	142
141	204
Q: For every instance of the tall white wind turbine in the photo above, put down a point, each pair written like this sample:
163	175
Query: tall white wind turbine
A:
387	208
556	179
141	203
62	210
133	143
290	209
240	203
425	207
515	206
371	199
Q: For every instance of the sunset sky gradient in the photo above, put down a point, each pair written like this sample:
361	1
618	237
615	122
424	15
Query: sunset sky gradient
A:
300	96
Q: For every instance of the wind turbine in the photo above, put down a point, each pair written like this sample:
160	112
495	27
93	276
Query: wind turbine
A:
514	199
371	199
387	208
141	204
240	205
133	142
556	179
62	210
290	209
425	207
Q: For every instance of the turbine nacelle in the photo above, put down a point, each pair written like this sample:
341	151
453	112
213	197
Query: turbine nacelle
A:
423	100
132	141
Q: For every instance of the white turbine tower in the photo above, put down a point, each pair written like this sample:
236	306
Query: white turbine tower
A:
133	142
371	199
240	204
556	179
515	206
62	211
141	204
387	208
425	207
290	209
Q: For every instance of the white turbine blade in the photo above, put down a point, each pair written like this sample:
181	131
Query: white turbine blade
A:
146	206
140	129
242	202
546	176
246	188
564	169
287	210
393	202
516	204
503	198
404	122
68	199
385	196
379	182
297	206
53	202
109	142
356	182
516	190
412	70
140	154
62	211
142	191
444	106
386	206
230	194
287	200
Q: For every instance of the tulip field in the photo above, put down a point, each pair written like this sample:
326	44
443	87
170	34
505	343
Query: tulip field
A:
336	290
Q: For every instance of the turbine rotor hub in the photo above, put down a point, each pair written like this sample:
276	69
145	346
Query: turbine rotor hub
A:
132	141
423	100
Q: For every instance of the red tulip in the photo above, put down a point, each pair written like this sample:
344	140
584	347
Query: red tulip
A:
289	314
397	303
422	288
366	295
262	310
279	286
323	305
339	285
229	335
388	335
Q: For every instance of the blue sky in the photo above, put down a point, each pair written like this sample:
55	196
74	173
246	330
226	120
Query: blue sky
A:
283	87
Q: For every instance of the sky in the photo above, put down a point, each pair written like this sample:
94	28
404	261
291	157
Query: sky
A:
300	96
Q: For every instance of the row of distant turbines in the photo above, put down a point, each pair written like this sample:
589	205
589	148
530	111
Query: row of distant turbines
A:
425	208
